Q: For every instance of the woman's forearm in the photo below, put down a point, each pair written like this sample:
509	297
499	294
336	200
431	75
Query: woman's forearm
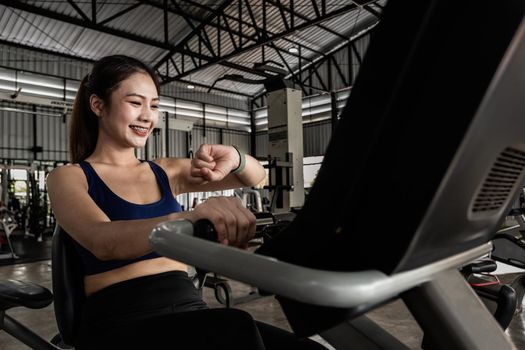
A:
253	173
126	239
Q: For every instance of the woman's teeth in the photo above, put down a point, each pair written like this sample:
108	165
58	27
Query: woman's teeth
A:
139	130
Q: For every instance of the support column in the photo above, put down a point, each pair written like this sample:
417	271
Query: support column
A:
285	135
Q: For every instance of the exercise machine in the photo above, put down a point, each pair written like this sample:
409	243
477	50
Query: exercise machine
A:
502	293
446	136
7	226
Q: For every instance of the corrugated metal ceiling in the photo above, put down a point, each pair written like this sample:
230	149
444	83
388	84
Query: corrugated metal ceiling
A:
19	26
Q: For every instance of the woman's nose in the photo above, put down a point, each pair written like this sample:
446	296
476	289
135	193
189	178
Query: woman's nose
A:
147	114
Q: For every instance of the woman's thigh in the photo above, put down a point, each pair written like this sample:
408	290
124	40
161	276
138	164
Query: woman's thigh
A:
201	329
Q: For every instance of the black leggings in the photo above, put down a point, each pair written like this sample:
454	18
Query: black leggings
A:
165	311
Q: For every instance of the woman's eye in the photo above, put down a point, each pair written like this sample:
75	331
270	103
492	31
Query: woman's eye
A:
155	107
135	103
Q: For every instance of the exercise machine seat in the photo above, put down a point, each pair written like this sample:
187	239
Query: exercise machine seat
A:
20	293
68	285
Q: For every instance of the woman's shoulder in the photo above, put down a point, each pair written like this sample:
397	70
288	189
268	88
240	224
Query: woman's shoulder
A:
65	174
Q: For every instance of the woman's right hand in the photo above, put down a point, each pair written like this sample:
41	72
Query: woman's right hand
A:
235	225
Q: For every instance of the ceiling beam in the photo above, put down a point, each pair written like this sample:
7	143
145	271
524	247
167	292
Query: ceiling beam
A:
87	24
217	13
115	32
303	17
191	35
320	60
268	40
215	88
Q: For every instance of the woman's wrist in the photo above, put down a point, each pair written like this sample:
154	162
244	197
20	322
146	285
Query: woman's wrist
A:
242	162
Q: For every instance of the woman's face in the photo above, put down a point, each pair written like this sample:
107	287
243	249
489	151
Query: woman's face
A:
133	111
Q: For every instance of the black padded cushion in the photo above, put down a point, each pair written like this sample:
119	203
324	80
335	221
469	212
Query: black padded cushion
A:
18	293
68	285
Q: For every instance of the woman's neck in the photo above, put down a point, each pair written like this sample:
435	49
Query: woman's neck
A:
106	154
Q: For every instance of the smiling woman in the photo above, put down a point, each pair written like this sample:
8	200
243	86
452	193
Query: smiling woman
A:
129	115
95	97
109	201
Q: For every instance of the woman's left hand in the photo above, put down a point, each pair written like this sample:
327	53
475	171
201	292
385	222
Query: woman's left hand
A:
214	162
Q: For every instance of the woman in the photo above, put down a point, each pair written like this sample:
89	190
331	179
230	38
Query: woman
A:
109	201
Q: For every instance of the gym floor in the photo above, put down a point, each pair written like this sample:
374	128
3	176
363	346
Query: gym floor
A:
394	316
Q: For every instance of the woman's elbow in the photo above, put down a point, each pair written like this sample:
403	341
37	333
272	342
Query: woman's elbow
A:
102	251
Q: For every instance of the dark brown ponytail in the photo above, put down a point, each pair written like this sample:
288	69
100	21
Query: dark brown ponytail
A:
106	76
83	129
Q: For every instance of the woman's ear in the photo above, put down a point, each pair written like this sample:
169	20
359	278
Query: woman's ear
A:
96	104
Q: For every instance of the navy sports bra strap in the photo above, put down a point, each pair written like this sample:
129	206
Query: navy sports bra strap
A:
162	177
90	173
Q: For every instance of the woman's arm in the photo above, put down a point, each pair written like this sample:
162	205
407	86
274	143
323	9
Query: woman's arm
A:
211	169
78	214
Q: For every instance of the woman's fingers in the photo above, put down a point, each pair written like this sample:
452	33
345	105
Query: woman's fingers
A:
209	170
203	169
204	153
247	222
235	225
219	159
197	165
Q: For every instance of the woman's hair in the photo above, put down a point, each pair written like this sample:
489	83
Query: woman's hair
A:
105	77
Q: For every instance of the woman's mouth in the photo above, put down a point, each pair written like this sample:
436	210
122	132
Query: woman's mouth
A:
139	130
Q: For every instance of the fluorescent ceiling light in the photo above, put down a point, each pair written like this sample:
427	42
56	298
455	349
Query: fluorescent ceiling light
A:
37	92
238	113
240	121
36	83
318	110
219	119
196	106
166	103
16	110
190	113
261	114
293	49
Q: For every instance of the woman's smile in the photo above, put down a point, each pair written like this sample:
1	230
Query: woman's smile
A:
140	130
